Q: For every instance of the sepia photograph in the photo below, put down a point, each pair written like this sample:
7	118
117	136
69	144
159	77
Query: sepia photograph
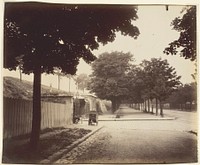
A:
99	82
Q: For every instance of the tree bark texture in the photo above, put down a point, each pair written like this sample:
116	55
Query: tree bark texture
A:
36	120
148	105
145	106
161	108
114	105
156	106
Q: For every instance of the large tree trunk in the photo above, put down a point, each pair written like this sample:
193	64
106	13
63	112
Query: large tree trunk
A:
36	120
114	105
156	106
161	108
190	105
145	106
142	106
151	106
148	105
117	103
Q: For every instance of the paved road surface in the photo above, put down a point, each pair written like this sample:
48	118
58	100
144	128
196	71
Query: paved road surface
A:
159	141
185	120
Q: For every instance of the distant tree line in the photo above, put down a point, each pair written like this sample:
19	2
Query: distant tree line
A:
184	98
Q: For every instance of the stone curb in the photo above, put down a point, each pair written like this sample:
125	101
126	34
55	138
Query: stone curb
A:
60	153
139	119
135	119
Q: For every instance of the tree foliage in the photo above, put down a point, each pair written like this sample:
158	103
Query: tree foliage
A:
186	26
136	84
109	80
57	35
115	78
42	36
184	94
152	79
160	78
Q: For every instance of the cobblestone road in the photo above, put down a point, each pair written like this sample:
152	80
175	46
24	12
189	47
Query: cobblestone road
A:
96	140
137	142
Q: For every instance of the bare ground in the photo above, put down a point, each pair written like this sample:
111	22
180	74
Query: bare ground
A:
17	150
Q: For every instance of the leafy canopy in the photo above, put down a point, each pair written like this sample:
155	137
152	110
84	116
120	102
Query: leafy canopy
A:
40	37
58	35
136	84
186	42
160	78
109	79
185	93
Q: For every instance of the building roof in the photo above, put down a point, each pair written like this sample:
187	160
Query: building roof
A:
14	88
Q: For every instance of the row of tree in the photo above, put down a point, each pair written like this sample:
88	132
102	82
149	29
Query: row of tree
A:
39	37
117	79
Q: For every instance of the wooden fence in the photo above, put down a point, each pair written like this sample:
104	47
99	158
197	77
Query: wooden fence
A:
17	116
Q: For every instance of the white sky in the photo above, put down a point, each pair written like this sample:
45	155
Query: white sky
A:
155	34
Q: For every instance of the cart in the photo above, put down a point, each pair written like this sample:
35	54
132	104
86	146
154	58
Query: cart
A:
93	118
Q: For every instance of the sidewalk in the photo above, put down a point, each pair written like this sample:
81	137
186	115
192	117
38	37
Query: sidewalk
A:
129	114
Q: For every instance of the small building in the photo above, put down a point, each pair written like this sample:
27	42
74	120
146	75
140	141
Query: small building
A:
66	101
